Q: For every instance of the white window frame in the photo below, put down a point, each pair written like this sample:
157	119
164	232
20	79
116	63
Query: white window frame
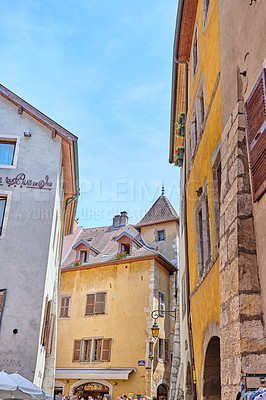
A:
161	359
16	139
8	195
160	296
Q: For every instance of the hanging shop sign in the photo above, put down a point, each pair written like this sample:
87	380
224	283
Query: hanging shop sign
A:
21	181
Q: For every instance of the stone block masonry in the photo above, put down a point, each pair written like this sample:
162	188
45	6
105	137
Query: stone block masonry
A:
243	343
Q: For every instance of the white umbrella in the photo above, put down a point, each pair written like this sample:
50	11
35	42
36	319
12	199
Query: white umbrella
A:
15	385
6	383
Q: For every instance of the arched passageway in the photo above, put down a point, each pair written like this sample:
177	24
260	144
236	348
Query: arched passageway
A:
212	371
161	392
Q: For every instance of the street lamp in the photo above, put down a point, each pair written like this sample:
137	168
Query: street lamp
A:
155	314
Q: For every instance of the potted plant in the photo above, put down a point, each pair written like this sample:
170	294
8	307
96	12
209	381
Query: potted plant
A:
77	262
122	255
179	156
180	125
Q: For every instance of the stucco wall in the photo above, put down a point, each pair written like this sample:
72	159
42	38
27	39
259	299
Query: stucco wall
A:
25	247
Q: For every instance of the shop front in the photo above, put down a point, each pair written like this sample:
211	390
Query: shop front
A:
94	390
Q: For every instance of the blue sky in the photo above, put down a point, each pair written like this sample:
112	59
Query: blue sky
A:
102	69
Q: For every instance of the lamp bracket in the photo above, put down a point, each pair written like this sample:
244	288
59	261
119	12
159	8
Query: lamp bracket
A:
157	313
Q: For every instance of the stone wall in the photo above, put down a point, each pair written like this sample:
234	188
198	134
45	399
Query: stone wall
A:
241	320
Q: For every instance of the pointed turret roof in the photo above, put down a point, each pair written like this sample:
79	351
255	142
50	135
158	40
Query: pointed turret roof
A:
161	211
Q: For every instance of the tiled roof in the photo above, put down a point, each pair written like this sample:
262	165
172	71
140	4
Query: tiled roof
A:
162	210
104	240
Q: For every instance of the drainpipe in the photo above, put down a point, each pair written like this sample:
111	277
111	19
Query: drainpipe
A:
192	363
69	200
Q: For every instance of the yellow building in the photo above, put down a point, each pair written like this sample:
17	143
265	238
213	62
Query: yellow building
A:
105	344
196	88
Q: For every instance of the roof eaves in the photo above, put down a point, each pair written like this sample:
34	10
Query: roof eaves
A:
33	112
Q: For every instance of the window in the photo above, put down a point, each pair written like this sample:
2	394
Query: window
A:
125	247
161	349
7	151
216	192
83	254
203	231
195	51
3	201
9	145
184	295
256	136
161	303
95	303
151	349
92	350
166	351
161	235
206	6
2	301
65	307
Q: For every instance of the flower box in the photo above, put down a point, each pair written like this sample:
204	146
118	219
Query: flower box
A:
120	256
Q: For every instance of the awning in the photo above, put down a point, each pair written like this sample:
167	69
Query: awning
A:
93	373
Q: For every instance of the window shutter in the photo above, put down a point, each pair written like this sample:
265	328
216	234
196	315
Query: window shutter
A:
77	351
166	350
100	303
156	236
2	301
106	350
90	304
44	320
64	310
255	110
47	320
50	334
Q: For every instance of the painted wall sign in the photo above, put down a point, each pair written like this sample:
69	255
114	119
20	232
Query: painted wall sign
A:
21	180
141	363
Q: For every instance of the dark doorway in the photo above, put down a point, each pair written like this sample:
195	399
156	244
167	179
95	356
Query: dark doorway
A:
188	383
212	371
162	392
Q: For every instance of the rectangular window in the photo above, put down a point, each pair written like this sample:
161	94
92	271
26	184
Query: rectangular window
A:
95	303
161	349
161	303
92	350
65	307
161	235
7	152
2	301
184	295
3	201
125	247
83	255
195	51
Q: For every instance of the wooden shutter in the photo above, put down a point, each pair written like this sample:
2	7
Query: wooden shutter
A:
90	304
50	335
2	301
166	350
47	321
99	303
156	236
44	320
64	310
106	349
255	110
77	350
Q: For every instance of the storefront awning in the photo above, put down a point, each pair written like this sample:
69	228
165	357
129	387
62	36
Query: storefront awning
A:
93	373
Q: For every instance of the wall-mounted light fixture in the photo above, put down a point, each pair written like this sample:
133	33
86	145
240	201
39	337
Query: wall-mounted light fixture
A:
27	133
155	315
199	191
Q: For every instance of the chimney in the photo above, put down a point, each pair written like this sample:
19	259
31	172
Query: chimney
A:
123	218
116	220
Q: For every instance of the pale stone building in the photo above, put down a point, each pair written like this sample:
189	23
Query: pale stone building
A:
38	197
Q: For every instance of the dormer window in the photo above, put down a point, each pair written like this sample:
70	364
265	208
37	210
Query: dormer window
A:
161	235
